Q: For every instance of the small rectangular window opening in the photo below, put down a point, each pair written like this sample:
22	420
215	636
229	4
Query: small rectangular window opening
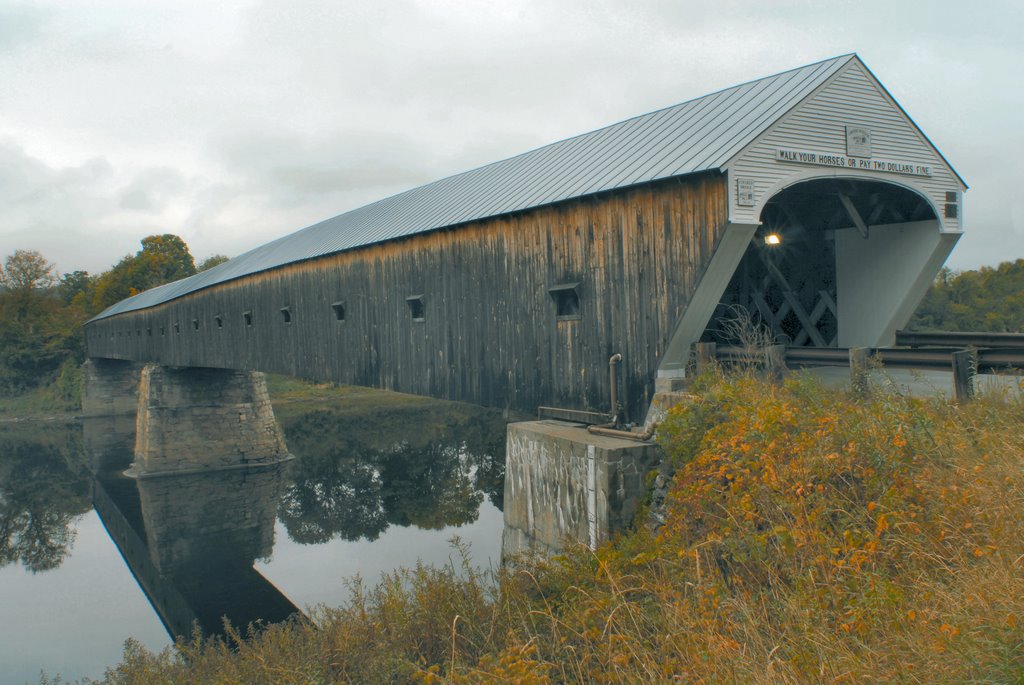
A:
567	301
339	311
177	328
248	318
286	314
951	211
149	332
219	321
951	196
163	331
195	324
416	308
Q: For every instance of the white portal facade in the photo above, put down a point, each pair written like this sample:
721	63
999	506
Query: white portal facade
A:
851	100
851	138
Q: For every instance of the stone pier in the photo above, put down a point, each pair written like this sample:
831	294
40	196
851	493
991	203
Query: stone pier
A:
191	419
564	485
110	387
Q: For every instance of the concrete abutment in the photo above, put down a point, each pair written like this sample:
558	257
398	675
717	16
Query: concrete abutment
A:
566	485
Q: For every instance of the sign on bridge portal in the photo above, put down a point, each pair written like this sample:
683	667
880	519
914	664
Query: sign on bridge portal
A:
840	161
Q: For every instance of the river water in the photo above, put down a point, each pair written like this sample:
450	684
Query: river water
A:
90	557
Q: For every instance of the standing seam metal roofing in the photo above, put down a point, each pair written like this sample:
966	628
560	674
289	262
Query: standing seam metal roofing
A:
695	136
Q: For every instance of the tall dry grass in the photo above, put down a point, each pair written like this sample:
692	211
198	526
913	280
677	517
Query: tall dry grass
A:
811	536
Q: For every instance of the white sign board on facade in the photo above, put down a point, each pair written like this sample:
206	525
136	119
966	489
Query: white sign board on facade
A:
841	161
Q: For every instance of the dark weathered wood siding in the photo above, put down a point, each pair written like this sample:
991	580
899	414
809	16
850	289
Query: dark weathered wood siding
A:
490	334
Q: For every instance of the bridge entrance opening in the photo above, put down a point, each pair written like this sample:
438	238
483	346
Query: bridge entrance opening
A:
805	274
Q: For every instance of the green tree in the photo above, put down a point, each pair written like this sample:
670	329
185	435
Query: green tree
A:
212	261
74	284
39	330
25	274
162	259
988	299
167	258
27	270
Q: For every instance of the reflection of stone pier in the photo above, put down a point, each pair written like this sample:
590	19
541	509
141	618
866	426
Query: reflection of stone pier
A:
191	540
115	511
227	516
205	530
109	442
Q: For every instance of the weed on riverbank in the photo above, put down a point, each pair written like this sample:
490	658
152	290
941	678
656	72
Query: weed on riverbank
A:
811	536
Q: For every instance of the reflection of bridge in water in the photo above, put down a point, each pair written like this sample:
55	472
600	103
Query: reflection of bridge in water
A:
190	539
190	535
378	482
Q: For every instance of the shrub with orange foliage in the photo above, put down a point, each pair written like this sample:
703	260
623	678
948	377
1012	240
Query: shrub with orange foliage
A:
873	538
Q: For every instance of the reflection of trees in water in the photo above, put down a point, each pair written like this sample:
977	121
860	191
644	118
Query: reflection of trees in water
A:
429	486
41	496
352	480
483	440
333	493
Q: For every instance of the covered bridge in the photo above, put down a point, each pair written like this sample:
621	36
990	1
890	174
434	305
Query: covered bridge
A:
809	197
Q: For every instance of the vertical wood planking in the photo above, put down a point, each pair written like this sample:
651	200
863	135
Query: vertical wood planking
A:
490	336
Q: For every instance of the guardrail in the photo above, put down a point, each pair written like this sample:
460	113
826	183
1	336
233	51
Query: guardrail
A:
959	340
988	361
964	354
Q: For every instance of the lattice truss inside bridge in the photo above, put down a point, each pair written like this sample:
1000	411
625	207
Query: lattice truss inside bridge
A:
790	287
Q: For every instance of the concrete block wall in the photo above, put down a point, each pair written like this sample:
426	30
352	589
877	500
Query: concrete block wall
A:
564	485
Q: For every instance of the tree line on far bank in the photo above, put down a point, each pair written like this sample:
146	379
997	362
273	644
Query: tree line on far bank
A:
990	299
42	311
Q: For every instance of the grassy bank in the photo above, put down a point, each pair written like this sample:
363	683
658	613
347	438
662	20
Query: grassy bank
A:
61	397
811	537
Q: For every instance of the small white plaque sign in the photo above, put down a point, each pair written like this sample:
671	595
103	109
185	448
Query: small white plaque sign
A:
745	192
858	141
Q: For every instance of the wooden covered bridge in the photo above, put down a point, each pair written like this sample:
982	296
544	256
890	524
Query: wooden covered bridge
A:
809	197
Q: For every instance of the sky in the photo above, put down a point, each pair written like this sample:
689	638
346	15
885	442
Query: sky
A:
232	123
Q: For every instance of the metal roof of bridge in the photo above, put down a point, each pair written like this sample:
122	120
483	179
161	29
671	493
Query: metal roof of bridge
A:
695	136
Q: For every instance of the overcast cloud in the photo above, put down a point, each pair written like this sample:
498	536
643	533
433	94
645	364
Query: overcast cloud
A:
232	123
